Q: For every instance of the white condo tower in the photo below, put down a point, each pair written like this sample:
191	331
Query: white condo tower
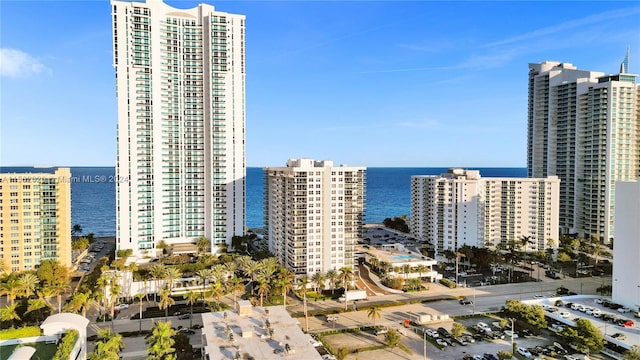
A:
180	83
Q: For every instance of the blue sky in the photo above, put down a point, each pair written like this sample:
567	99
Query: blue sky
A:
363	83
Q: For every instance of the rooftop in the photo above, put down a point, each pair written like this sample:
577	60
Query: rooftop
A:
263	333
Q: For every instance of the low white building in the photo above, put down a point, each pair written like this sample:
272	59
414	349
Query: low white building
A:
626	245
398	256
255	332
461	208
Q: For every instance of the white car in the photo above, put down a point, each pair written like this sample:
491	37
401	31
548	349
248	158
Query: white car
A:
441	342
624	309
508	333
122	306
564	314
314	342
593	311
524	352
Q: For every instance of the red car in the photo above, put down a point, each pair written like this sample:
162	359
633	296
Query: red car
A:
628	323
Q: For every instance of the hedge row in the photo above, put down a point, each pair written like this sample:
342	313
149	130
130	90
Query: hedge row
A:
23	332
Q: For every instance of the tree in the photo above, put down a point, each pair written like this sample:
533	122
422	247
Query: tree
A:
76	230
139	297
161	342
504	355
346	276
80	302
191	297
342	353
170	274
632	354
392	338
35	306
108	347
373	313
318	280
332	276
285	282
11	288
563	257
235	285
457	329
28	283
9	313
157	274
263	290
51	271
162	246
584	335
165	301
203	245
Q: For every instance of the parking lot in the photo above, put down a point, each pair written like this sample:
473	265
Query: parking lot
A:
618	324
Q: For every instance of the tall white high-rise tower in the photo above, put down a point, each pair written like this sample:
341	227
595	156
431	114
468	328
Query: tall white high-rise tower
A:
584	127
180	83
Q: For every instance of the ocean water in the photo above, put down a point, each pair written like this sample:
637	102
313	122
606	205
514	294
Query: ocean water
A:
93	189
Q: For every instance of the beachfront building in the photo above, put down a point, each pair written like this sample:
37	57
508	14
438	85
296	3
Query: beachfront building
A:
35	218
584	127
401	261
313	214
626	252
248	332
461	208
180	84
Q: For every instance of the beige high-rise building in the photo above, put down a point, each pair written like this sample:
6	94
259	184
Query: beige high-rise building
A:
584	127
35	222
462	208
314	214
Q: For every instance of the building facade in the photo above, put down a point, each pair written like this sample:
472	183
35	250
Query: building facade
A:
180	84
584	127
626	252
314	214
462	208
35	222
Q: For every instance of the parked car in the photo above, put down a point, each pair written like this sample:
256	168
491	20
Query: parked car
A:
509	333
524	352
184	316
619	336
624	309
625	323
564	314
186	331
441	342
465	301
122	306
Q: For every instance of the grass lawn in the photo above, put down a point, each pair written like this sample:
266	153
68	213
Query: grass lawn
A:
43	351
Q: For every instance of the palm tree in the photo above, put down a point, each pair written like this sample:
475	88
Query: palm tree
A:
8	313
203	245
11	288
191	297
285	281
263	290
421	269
58	289
161	342
157	273
80	301
302	286
373	313
318	280
108	347
204	274
346	276
235	285
215	291
139	297
162	246
406	269
35	305
28	284
332	275
170	274
165	301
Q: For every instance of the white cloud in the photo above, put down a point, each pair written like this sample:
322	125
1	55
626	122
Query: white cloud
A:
16	63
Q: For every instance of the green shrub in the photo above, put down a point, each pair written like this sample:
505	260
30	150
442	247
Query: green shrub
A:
66	345
23	332
448	283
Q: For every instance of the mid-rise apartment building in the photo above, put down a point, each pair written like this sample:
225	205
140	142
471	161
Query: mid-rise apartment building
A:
35	219
462	208
180	84
314	214
584	127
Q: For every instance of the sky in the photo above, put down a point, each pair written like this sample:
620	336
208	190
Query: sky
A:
362	83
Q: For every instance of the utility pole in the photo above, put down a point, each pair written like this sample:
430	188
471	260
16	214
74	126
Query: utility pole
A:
424	338
512	347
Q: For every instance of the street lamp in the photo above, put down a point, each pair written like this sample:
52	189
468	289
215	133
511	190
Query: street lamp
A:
512	320
424	339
